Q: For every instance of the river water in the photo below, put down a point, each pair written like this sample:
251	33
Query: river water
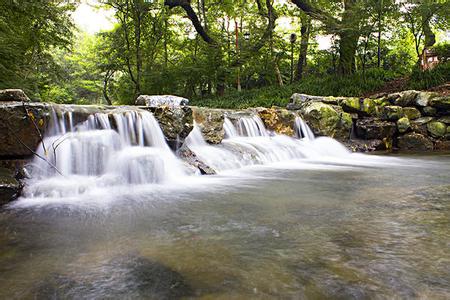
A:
292	230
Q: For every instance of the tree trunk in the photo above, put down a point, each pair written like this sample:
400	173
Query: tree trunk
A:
380	17
108	75
348	41
304	41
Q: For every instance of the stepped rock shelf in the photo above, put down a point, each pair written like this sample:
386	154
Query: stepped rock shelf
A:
409	120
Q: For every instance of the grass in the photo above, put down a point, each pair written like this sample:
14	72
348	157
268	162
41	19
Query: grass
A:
328	85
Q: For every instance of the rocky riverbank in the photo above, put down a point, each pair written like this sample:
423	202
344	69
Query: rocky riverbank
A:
405	121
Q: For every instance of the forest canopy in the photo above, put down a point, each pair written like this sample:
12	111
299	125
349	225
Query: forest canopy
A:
221	52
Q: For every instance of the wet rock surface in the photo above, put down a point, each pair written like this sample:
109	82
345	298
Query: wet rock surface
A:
210	122
327	120
175	122
191	158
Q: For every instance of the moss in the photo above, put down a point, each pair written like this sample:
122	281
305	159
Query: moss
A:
403	124
437	129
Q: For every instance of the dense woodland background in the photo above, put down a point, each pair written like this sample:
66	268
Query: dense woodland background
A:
224	53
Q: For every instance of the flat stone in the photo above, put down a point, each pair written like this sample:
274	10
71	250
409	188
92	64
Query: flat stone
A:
411	112
13	95
159	100
422	121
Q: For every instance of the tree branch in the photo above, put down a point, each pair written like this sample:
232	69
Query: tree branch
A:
186	5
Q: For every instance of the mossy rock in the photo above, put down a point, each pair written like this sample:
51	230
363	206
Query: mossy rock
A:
411	112
392	113
361	106
279	120
437	129
403	124
445	119
327	120
429	111
423	98
406	98
441	102
423	120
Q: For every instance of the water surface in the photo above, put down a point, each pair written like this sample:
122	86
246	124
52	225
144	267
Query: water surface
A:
311	230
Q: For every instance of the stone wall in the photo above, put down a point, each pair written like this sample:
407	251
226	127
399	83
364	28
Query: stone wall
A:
408	120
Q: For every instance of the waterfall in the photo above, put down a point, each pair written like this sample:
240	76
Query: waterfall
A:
302	130
250	143
108	149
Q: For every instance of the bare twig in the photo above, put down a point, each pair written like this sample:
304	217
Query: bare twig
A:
31	119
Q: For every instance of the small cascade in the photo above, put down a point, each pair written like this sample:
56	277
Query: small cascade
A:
114	148
251	127
250	143
302	130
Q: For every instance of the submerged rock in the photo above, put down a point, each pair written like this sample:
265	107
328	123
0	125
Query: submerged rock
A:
210	122
365	145
414	141
328	120
374	128
159	100
10	187
9	95
126	277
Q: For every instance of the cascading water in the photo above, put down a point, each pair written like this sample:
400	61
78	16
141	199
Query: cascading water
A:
92	154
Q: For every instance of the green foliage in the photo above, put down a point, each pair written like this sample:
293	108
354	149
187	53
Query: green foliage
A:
330	85
422	80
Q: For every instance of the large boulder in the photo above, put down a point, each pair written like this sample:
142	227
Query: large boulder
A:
210	122
159	100
374	128
22	126
414	142
278	120
9	95
328	120
437	129
9	186
175	122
